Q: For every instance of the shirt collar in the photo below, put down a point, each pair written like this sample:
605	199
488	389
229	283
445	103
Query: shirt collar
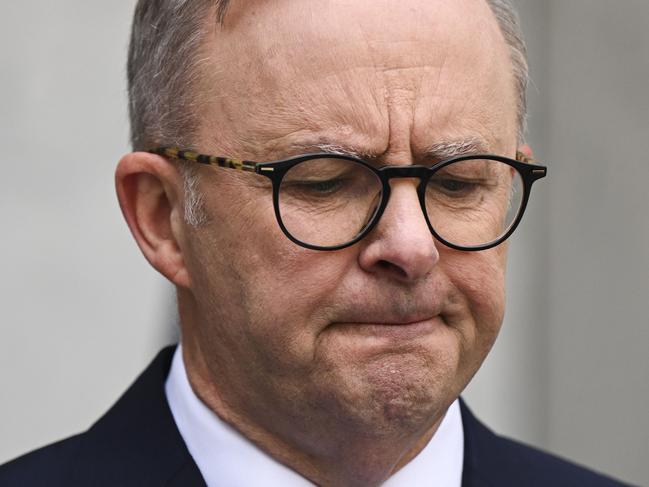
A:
226	457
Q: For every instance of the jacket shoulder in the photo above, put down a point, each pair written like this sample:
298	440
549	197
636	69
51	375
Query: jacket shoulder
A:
536	467
492	460
47	466
136	443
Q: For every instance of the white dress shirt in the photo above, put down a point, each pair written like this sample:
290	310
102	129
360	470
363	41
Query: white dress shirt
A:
226	458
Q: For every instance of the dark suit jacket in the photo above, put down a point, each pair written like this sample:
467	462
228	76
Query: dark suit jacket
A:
136	443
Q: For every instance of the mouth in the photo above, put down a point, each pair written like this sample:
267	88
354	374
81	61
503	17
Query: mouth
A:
398	330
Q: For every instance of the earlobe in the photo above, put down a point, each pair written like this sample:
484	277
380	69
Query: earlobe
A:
149	190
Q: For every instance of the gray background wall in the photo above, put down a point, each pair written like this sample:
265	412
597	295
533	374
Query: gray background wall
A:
81	312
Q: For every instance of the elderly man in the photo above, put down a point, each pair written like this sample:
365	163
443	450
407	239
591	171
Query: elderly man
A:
329	186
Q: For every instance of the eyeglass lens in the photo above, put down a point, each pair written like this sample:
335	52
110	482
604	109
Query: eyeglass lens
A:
329	201
474	202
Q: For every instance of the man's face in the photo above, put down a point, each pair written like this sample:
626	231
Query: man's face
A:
381	336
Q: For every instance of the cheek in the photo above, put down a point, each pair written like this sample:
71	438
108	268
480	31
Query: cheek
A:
278	292
293	292
479	277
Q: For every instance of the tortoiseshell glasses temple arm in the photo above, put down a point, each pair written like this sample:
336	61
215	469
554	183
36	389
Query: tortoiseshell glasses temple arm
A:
188	155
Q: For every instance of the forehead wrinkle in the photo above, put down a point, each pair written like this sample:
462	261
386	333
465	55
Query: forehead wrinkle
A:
276	119
275	109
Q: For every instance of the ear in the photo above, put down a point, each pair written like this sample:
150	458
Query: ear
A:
527	150
150	191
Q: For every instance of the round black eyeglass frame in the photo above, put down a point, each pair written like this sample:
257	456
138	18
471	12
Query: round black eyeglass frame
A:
528	169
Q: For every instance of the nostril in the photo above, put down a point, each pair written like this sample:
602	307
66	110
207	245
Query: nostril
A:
390	267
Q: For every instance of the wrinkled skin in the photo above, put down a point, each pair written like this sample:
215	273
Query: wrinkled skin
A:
340	364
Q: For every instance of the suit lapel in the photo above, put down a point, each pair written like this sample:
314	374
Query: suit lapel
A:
187	476
475	434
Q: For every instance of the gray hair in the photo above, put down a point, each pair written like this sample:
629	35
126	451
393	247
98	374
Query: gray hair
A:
167	39
510	26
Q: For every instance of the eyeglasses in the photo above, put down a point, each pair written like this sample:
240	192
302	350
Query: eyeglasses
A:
329	201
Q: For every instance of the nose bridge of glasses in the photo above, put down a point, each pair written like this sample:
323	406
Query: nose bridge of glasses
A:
393	172
417	175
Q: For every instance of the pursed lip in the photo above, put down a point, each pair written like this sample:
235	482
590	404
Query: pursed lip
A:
396	329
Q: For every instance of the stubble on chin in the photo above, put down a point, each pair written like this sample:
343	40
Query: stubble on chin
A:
393	395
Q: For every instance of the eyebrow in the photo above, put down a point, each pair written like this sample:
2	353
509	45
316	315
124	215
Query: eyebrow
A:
334	148
447	149
437	151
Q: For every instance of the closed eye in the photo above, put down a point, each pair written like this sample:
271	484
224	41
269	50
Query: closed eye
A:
454	187
326	187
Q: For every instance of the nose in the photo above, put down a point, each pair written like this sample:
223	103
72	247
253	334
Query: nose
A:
401	246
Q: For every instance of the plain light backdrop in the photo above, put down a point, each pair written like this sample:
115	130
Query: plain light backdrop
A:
81	312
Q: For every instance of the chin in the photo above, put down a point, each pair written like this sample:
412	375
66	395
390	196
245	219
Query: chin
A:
395	394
